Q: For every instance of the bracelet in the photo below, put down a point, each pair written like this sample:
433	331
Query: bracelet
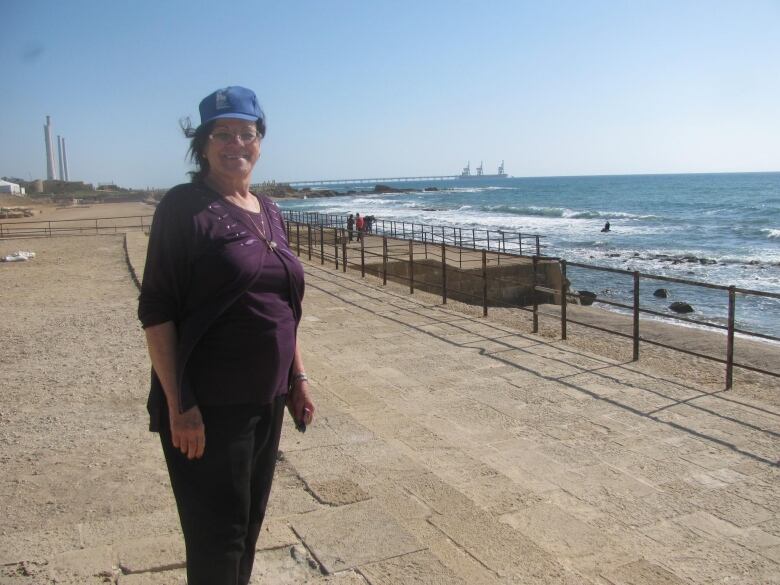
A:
299	377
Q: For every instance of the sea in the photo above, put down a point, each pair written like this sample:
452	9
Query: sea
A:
721	229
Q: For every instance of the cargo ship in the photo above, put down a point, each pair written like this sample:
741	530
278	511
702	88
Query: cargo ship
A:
466	174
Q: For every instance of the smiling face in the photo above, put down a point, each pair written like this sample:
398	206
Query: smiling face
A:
232	159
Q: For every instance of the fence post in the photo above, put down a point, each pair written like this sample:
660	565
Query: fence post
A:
484	283
384	260
363	258
298	239
535	299
411	267
343	250
730	338
308	239
322	244
473	239
519	243
564	288
289	233
538	246
487	232
636	316
336	246
443	272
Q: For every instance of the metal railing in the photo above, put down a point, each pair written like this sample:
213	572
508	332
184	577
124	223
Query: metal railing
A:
73	227
326	238
475	256
476	239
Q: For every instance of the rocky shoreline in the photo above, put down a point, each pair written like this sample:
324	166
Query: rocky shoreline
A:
284	191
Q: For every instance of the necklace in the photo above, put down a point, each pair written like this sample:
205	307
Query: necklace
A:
261	228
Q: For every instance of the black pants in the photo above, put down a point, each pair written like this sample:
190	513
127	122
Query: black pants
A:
222	496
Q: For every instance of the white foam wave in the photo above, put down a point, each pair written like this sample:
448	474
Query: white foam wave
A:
771	233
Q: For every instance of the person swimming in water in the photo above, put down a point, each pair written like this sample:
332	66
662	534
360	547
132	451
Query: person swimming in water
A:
605	228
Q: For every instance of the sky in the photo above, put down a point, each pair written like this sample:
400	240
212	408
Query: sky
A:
375	88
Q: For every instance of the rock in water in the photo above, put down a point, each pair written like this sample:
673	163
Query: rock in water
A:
680	307
586	297
661	293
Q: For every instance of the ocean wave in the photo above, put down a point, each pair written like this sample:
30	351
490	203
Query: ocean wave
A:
529	210
771	233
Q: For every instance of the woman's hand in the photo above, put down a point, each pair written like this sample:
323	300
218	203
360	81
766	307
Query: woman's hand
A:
299	403
188	433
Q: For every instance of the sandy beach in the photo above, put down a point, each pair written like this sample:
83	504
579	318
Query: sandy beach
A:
449	448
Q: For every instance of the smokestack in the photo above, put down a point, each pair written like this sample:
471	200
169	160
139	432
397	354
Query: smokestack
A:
59	153
50	169
65	161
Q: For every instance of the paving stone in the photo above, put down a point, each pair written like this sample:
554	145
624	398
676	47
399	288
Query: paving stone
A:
567	538
158	553
722	502
83	563
722	561
641	572
175	577
510	555
283	566
420	568
276	533
337	492
349	536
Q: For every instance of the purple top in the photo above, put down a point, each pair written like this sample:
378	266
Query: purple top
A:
236	304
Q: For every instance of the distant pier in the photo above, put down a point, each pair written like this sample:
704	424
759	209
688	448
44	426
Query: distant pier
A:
374	180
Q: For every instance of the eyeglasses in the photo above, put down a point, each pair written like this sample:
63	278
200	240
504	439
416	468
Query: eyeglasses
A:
228	137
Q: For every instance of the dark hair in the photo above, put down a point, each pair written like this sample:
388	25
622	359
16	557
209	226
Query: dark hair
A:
199	137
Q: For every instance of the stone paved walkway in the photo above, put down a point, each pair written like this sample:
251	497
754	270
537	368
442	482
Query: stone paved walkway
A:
451	451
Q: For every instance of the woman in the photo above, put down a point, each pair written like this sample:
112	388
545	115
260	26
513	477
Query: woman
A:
220	305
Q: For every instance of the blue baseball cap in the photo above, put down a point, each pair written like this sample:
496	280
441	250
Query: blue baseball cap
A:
230	102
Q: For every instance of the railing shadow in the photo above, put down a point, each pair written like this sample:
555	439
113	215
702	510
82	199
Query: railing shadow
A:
336	286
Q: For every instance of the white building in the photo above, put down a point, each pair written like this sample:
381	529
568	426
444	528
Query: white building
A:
12	188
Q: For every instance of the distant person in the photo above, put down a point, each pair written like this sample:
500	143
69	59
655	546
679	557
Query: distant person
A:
220	305
605	228
360	224
350	225
370	223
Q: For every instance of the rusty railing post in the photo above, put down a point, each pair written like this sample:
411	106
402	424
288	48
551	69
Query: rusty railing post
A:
308	239
730	338
535	299
384	260
443	272
636	316
322	244
484	284
538	245
363	258
298	239
343	250
564	288
411	267
336	246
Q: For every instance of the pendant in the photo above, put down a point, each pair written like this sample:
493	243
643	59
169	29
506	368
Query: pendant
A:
272	245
